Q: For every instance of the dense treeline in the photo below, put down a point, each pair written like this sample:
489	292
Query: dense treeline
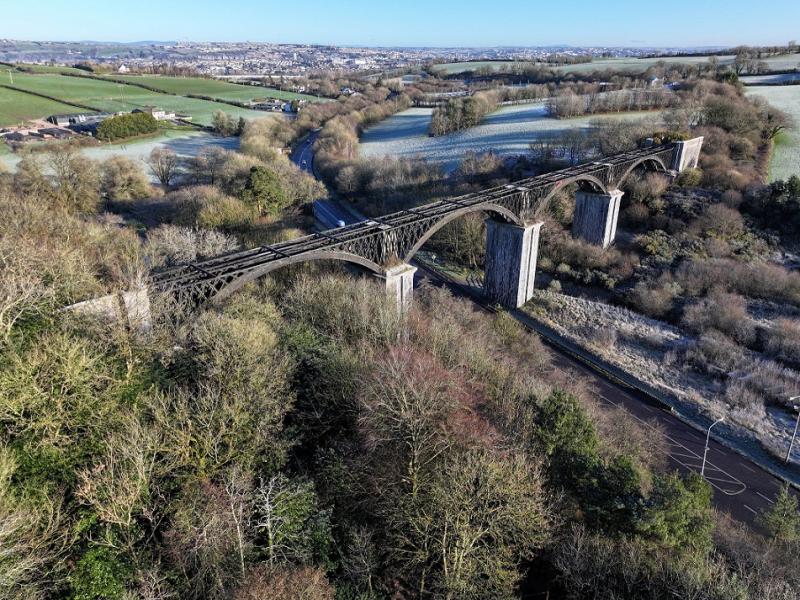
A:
302	441
567	104
462	113
124	126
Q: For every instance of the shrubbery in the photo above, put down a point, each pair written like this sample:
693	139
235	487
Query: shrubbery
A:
124	126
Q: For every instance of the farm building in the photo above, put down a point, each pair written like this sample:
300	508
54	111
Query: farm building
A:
159	114
72	119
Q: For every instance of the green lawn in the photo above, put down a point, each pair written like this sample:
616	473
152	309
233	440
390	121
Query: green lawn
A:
786	159
110	96
213	87
17	107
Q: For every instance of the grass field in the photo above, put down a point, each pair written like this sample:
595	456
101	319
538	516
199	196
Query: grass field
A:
786	160
109	96
17	107
764	79
212	87
776	63
183	143
506	132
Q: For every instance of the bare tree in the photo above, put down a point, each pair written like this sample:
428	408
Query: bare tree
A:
22	291
164	165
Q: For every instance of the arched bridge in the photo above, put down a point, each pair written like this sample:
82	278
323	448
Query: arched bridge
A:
393	239
385	245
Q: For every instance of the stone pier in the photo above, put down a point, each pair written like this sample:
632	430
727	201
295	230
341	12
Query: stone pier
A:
511	253
400	286
595	218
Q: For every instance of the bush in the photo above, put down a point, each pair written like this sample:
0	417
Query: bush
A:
655	299
209	208
171	245
690	178
783	340
125	126
123	179
754	279
724	312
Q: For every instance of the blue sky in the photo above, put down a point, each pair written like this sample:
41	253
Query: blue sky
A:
409	23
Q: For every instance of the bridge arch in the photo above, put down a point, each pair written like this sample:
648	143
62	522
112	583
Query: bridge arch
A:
590	179
488	208
239	282
653	163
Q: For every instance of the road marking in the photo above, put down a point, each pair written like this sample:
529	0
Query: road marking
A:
693	460
750	509
748	468
765	498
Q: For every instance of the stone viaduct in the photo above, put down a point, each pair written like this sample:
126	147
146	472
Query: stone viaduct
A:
387	244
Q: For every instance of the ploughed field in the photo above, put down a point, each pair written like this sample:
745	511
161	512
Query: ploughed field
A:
506	132
112	97
212	87
786	158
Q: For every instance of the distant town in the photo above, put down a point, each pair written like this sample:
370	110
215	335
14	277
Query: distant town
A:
244	58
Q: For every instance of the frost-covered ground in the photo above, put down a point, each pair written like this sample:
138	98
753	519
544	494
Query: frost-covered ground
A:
764	79
648	349
184	144
786	161
507	132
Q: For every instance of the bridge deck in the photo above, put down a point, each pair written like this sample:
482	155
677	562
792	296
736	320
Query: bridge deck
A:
374	231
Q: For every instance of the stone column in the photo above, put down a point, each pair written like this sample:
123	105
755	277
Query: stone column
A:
595	218
400	286
511	253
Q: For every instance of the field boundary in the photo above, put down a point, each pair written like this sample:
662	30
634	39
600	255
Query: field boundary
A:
156	90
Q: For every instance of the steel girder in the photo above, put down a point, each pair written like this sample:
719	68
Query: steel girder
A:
377	243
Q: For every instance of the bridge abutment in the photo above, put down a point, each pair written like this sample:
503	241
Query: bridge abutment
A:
687	153
595	219
400	286
511	254
131	309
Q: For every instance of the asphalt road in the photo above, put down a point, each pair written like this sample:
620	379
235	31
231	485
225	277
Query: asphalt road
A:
741	488
303	154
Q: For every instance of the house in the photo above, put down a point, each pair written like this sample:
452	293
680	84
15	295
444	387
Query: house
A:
269	105
159	114
123	69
